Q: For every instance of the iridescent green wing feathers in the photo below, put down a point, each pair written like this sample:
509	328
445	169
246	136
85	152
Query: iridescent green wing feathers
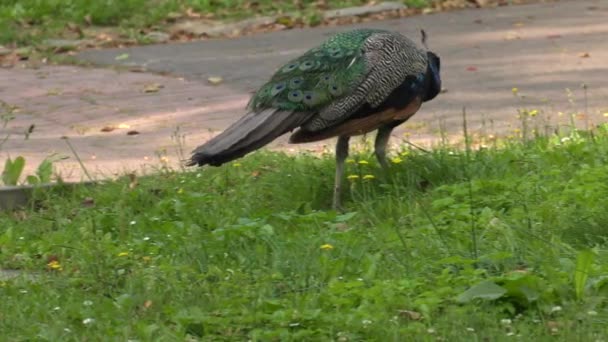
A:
318	77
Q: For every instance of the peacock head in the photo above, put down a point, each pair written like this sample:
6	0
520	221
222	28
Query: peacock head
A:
434	75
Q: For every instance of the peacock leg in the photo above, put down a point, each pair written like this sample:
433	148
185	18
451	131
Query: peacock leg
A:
382	137
341	154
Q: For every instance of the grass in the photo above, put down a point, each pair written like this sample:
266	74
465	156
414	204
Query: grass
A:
455	244
27	21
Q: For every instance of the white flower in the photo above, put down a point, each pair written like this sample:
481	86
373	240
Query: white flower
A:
505	321
366	322
430	330
146	238
471	329
592	313
88	321
133	223
556	308
87	303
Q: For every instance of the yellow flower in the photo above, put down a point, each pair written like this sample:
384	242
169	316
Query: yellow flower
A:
55	265
122	254
352	177
363	162
404	153
366	177
605	114
396	160
514	90
350	161
533	112
236	164
327	247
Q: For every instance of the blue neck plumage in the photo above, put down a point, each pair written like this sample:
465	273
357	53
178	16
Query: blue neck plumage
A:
433	77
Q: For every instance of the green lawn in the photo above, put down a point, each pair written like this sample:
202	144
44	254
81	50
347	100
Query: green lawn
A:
500	242
27	21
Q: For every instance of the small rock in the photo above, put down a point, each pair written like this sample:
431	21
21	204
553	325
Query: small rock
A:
153	87
158	37
363	10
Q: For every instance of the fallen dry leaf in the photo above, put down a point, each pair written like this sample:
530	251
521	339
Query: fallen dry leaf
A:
584	55
413	315
341	226
88	202
108	129
133	132
152	87
215	80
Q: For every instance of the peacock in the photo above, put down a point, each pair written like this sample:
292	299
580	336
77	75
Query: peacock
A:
353	83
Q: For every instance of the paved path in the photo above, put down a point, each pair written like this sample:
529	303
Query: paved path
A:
485	53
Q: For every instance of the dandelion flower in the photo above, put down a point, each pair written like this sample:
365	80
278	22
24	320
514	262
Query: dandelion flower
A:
363	162
514	90
55	265
327	247
236	164
533	112
123	254
396	160
368	177
350	161
352	177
